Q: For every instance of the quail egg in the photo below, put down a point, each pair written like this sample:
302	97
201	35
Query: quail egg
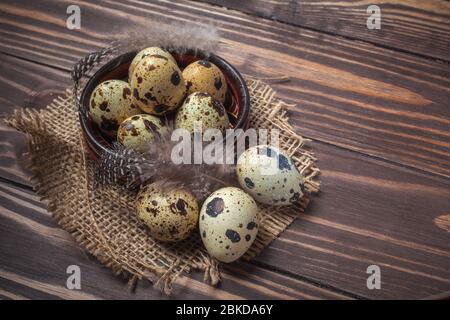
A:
228	223
270	176
148	52
138	130
157	85
201	107
170	215
110	104
204	76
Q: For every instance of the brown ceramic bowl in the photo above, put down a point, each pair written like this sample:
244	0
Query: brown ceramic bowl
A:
237	102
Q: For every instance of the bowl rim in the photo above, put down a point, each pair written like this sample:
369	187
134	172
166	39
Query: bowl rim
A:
95	146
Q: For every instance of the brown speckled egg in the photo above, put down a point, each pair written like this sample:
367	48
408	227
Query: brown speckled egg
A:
148	52
204	76
110	104
137	131
157	85
202	107
270	176
228	223
170	216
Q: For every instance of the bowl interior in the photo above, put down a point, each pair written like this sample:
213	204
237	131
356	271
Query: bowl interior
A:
237	101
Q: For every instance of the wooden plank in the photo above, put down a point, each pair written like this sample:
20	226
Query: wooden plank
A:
372	208
35	253
402	227
350	94
370	213
23	84
420	26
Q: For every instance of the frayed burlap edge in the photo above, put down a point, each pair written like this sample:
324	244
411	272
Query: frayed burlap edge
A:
109	230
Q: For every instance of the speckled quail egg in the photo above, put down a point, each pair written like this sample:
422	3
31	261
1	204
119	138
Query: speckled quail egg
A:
201	107
170	215
204	76
138	130
270	176
110	104
157	85
228	223
148	52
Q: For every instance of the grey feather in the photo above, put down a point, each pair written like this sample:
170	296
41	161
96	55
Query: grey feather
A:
154	165
176	37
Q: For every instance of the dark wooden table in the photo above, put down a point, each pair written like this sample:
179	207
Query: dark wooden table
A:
376	104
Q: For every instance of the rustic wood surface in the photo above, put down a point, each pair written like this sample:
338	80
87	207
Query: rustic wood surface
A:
376	110
421	27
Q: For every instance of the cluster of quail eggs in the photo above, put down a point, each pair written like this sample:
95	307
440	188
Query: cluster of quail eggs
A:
130	111
228	220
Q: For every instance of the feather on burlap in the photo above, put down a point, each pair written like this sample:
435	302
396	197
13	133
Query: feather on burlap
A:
153	164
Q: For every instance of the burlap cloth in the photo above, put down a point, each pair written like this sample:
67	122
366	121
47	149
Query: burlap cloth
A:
109	230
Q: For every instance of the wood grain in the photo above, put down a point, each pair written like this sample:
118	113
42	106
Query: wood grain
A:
417	26
367	207
443	222
369	212
35	252
23	84
350	94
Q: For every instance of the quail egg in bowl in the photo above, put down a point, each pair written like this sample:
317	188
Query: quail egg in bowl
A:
110	104
157	85
137	131
201	107
205	76
155	51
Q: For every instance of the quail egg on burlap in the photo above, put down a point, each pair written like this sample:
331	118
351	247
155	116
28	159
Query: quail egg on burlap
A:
201	107
157	85
269	176
204	76
110	104
228	223
156	51
170	215
137	131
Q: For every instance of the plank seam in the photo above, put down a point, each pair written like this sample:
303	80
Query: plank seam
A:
300	26
307	280
16	184
35	62
433	175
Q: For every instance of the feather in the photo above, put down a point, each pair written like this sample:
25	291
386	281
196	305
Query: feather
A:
154	165
175	37
120	166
